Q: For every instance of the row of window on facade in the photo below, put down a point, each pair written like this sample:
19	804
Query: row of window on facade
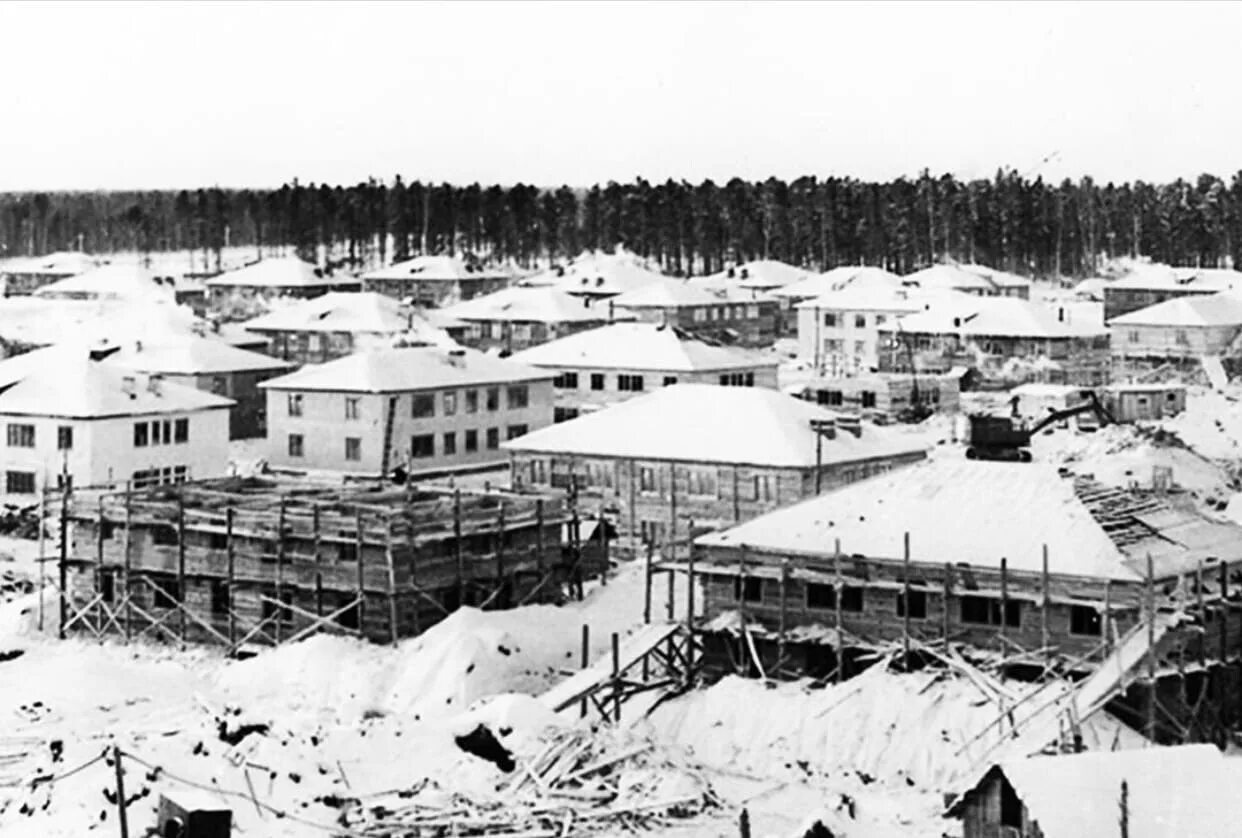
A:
422	445
23	482
423	405
161	432
702	314
833	319
972	610
1180	337
700	482
627	383
21	435
837	346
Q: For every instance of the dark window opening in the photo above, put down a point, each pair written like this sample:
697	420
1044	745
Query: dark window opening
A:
1085	620
821	596
219	597
107	586
987	612
748	589
166	594
164	536
918	604
218	541
851	598
1011	806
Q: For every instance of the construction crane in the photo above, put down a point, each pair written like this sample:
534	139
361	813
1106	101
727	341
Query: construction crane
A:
1001	438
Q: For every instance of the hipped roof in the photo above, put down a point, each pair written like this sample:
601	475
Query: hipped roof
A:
640	346
406	369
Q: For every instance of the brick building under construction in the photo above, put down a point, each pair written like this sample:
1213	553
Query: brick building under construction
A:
247	561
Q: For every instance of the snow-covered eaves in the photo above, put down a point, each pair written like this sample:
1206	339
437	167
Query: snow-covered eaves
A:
1191	311
192	355
1156	277
640	347
996	317
436	268
353	311
533	304
705	423
283	272
854	277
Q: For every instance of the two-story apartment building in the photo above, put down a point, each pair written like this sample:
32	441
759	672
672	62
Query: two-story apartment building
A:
719	311
614	363
418	408
860	279
435	281
979	280
693	457
270	279
212	366
1145	285
337	324
1187	327
68	412
523	316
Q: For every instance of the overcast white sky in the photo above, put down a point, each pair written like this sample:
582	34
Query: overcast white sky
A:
112	95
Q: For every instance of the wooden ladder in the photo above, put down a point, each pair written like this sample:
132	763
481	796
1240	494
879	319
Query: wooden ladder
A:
389	419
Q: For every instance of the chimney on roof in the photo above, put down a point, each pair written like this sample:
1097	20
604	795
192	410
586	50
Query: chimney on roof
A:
732	273
745	273
129	386
826	428
1060	315
599	282
155	384
850	424
137	346
457	358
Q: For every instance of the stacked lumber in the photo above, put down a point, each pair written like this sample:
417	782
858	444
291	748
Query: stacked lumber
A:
580	783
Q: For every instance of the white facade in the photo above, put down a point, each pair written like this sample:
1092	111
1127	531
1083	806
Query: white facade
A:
842	340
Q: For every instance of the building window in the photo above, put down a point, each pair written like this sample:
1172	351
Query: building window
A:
64	482
564	414
219	598
353	448
1180	337
1085	620
166	594
19	482
985	611
219	385
180	474
630	383
646	479
181	430
351	407
518	397
750	379
830	319
860	321
761	489
702	483
600	474
294	402
918	604
493	398
64	438
493	439
566	381
831	398
1133	336
450	404
21	436
821	596
851	598
140	434
424	445
515	431
651	532
597	381
450	444
472	401
422	406
295	445
747	589
472	441
670	380
880	318
868	398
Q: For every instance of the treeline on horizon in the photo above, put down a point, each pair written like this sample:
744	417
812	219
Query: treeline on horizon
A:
1008	222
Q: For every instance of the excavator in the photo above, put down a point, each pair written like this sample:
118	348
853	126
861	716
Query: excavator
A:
1003	438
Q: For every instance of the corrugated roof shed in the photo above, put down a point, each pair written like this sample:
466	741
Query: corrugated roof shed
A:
1221	309
433	268
406	369
1183	791
641	346
283	272
709	424
67	382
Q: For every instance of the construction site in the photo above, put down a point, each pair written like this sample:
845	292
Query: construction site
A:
243	562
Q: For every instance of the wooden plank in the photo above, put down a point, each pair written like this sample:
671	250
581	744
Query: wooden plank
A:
231	569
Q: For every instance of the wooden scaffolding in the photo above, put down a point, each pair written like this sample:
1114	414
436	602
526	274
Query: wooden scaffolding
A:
239	562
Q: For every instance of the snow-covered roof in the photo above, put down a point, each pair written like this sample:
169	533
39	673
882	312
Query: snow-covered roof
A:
110	282
68	382
445	268
676	293
42	322
1157	277
62	263
405	369
996	317
640	346
599	274
705	423
968	277
191	355
762	274
1178	790
871	516
877	298
1040	390
1202	310
538	304
356	312
836	279
282	272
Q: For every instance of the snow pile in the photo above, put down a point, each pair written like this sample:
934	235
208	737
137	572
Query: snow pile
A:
1211	424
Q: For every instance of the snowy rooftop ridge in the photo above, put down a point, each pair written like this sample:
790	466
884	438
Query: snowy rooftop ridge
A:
972	316
683	423
1196	310
640	346
533	304
357	312
854	277
281	272
436	268
406	369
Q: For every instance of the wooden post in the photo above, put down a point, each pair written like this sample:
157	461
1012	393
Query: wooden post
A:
689	611
458	555
784	617
743	654
672	513
1004	615
120	791
586	662
99	562
393	630
944	611
575	536
362	579
1223	627
1106	624
670	607
616	678
602	529
647	584
63	564
129	519
838	589
905	600
43	558
319	595
1151	654
230	556
1044	639
737	500
500	547
1199	609
539	538
182	605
